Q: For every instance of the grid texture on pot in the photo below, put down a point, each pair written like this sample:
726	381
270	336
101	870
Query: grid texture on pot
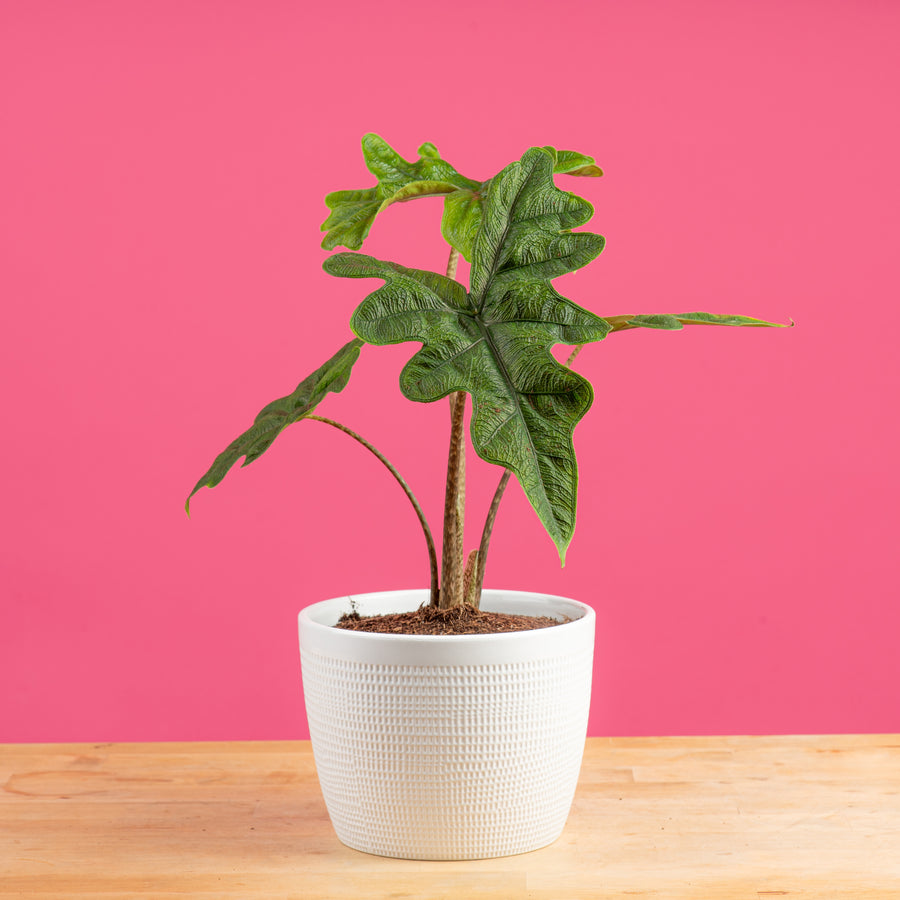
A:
448	762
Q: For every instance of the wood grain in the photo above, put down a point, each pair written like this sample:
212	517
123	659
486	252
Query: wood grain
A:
715	818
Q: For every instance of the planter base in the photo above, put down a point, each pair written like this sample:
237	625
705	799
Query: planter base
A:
459	747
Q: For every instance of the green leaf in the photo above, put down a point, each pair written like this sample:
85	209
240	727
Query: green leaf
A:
461	220
568	162
353	212
428	149
495	342
393	172
352	215
463	208
418	189
704	318
277	415
677	321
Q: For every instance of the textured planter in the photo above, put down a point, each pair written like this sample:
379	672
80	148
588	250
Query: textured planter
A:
456	747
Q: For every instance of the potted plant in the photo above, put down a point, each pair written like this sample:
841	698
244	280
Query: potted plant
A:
449	722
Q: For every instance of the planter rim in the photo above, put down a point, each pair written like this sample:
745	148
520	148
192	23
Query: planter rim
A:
306	616
317	633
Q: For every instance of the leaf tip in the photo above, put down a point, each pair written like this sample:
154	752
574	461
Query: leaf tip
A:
332	264
429	151
590	171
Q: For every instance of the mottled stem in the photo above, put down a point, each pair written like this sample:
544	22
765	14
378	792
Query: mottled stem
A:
452	262
481	559
429	539
453	561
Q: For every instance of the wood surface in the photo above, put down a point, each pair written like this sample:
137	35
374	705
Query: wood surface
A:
707	817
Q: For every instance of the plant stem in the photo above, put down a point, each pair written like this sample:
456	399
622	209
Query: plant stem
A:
452	262
429	540
481	560
452	592
573	354
452	558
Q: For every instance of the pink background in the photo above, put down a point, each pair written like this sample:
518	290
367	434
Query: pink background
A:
162	172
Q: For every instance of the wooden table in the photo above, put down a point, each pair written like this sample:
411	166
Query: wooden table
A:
711	818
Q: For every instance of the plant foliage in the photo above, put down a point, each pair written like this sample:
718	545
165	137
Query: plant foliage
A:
492	341
353	212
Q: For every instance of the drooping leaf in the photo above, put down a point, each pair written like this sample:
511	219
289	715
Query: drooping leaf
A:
353	212
495	342
677	321
277	415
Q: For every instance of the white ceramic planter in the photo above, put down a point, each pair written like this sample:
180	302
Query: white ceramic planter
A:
456	747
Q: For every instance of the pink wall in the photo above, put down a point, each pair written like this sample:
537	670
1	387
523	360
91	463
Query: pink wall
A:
162	170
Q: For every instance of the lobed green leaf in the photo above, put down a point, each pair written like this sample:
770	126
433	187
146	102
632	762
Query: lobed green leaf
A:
353	212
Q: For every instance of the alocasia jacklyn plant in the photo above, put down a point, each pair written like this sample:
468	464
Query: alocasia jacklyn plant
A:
491	342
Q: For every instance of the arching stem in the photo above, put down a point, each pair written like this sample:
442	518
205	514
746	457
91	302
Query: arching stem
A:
429	540
481	560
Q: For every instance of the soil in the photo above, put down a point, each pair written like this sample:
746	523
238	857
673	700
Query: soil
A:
457	620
